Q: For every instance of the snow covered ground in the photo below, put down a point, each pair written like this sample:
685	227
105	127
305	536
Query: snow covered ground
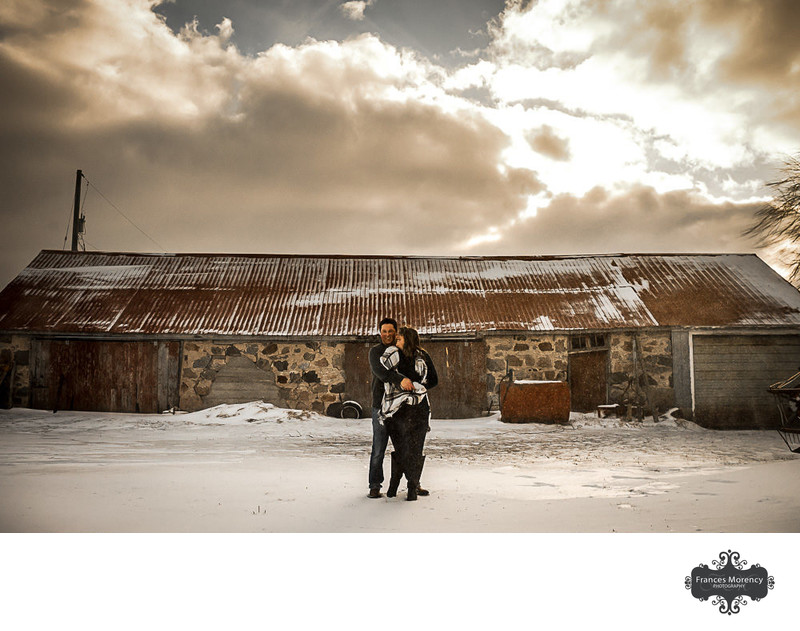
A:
254	467
552	490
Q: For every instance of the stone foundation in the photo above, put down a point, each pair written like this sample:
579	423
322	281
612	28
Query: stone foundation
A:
545	358
535	357
306	376
655	355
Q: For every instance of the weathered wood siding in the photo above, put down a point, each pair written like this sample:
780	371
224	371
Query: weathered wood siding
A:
104	376
588	380
681	371
357	375
241	381
460	365
732	374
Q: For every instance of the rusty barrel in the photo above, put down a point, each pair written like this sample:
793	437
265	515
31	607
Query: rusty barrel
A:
534	402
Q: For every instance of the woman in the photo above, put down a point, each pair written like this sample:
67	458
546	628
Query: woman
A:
406	413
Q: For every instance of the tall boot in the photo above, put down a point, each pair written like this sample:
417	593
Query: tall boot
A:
397	473
420	491
413	473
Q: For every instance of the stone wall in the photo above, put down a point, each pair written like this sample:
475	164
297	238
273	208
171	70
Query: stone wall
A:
655	353
15	354
306	376
536	357
310	375
545	357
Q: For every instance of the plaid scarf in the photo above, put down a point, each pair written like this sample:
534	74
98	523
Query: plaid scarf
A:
394	396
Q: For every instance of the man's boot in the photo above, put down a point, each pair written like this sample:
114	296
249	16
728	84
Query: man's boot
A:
412	492
397	473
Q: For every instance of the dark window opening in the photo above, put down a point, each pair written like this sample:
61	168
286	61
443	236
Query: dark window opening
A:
585	342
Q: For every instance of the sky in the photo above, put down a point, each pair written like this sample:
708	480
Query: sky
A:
397	127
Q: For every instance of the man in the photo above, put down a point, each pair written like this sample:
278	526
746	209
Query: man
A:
380	437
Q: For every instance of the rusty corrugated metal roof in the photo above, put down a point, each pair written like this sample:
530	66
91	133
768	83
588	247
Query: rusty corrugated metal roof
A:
295	295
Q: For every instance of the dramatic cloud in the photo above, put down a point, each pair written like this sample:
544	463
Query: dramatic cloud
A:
583	126
325	147
626	96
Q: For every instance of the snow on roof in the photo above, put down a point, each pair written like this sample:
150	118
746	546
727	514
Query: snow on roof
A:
294	295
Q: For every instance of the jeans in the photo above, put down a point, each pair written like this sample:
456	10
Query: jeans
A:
380	438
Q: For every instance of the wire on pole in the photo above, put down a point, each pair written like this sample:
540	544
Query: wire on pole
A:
123	214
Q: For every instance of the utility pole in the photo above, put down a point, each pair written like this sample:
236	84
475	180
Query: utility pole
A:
76	211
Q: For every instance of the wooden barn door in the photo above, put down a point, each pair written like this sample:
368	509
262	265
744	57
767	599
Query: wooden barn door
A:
105	376
461	366
732	374
357	375
587	379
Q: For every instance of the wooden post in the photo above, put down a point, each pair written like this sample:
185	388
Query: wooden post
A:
76	210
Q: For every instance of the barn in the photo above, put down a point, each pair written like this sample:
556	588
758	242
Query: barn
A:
149	332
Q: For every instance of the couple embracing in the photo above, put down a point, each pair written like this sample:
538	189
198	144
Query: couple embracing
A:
402	374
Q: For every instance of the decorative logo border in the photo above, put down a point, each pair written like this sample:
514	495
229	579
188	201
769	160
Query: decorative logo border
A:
729	583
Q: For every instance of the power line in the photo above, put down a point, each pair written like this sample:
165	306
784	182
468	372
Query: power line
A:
163	249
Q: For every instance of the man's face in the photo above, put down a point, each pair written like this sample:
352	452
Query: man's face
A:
388	334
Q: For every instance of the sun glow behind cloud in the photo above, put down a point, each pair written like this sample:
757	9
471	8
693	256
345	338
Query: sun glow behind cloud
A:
626	120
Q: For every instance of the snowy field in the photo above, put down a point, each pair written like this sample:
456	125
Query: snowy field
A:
256	468
552	495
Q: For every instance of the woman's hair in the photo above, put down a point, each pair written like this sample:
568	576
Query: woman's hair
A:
411	340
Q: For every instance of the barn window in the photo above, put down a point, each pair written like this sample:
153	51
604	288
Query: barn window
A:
587	342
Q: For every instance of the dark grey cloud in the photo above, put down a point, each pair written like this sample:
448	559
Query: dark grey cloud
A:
639	220
306	150
762	38
768	48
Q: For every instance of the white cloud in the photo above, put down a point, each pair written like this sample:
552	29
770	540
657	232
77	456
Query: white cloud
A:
354	9
491	235
617	106
634	108
557	26
127	63
472	76
225	29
